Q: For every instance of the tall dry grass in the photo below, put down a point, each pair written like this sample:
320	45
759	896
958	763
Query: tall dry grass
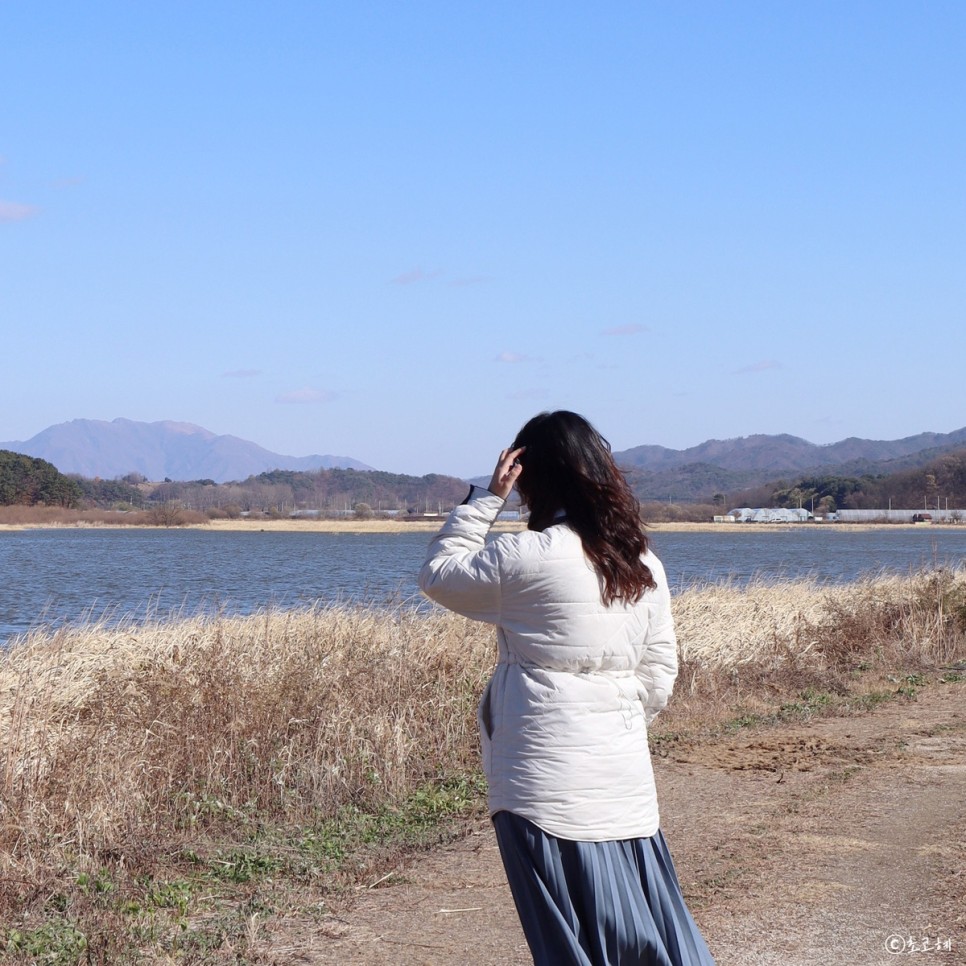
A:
124	741
55	516
746	650
124	746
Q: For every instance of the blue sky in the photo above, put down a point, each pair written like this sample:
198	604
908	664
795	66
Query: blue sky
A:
394	231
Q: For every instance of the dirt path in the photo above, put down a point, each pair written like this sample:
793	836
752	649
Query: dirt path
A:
837	841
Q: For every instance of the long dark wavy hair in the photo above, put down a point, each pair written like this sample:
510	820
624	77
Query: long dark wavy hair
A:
567	466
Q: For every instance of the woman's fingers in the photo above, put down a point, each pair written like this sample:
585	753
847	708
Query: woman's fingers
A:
507	471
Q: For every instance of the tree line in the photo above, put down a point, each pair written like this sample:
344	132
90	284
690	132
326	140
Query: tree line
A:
939	484
28	481
325	492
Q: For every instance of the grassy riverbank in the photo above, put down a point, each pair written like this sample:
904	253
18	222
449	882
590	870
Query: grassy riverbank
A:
168	789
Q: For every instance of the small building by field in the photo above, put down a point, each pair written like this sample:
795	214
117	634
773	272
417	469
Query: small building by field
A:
777	514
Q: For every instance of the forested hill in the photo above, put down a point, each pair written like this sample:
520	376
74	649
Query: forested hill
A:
27	480
940	483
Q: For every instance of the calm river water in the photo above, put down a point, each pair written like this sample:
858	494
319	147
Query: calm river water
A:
49	577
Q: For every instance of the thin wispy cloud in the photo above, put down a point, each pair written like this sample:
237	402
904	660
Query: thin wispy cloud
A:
14	211
241	373
416	275
511	357
306	397
762	366
633	328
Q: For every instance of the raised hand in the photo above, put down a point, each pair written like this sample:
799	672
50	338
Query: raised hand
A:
508	470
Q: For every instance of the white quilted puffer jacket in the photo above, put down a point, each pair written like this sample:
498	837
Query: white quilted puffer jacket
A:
563	719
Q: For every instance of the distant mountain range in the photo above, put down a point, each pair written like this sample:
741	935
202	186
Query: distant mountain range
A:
783	453
724	466
162	450
182	451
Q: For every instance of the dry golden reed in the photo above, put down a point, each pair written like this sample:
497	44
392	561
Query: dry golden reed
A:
119	736
749	649
123	743
55	516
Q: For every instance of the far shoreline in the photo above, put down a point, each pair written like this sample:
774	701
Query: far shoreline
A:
432	525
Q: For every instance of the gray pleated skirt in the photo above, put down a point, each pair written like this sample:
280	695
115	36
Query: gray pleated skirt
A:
597	903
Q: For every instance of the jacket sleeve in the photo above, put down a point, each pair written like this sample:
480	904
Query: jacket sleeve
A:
462	571
659	665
